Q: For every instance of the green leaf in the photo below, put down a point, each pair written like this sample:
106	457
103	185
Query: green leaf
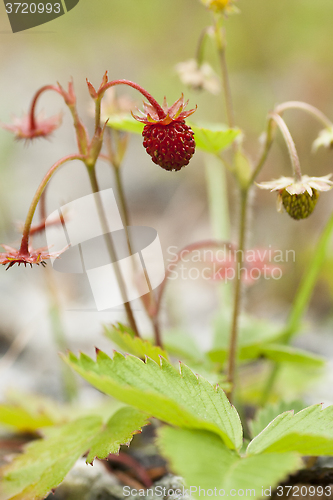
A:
118	430
287	354
177	397
182	346
23	420
125	339
126	123
204	462
45	462
309	432
265	415
214	138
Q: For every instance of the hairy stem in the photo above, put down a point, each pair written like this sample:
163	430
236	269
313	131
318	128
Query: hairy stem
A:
135	86
27	225
308	108
290	144
32	111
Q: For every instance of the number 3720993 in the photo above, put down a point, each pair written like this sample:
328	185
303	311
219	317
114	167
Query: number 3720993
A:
32	8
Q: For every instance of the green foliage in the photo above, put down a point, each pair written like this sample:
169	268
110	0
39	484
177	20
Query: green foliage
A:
117	431
23	420
177	397
309	432
126	123
211	139
204	461
265	415
258	338
253	334
46	462
125	339
287	354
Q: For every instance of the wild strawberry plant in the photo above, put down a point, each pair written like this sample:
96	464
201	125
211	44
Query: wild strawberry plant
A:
204	435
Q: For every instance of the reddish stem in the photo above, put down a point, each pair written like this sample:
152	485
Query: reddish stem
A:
130	462
24	249
34	102
153	102
189	248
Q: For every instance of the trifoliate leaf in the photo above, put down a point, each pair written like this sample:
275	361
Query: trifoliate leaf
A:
45	462
177	397
204	462
265	415
309	432
130	344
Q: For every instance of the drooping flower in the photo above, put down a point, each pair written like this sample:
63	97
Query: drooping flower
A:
38	256
299	198
23	128
168	140
198	77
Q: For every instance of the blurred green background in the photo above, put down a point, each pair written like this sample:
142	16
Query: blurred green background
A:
277	51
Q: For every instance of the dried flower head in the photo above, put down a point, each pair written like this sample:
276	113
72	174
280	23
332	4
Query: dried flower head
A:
23	128
198	77
37	256
168	140
299	198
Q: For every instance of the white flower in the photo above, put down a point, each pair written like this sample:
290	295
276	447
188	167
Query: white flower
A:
325	138
298	187
201	77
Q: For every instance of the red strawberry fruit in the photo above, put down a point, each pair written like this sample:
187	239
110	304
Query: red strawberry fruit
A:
168	140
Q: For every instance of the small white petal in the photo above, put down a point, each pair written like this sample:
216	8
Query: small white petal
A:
296	188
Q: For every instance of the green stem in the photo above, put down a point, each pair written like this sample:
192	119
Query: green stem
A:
111	250
308	108
31	212
201	46
221	49
233	343
266	150
290	144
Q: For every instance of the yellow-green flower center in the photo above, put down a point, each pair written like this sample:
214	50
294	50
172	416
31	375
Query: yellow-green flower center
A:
299	206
